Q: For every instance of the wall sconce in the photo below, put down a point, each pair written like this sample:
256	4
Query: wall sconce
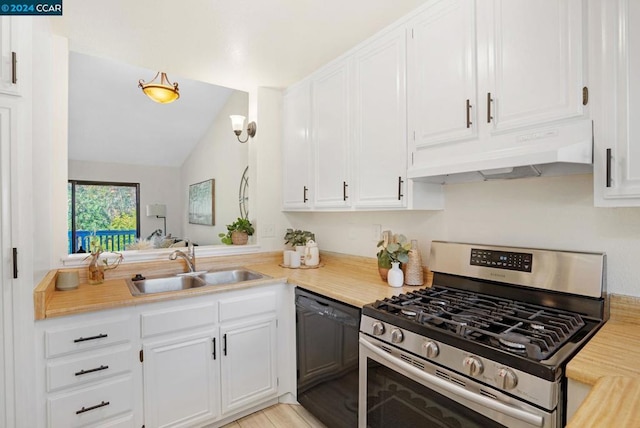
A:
158	211
237	122
164	92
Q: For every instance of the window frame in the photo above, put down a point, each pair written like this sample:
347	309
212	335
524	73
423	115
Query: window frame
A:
75	183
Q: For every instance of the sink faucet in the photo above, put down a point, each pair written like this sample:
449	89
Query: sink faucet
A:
189	257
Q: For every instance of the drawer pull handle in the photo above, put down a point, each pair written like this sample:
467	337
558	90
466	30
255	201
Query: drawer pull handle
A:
97	369
97	406
84	339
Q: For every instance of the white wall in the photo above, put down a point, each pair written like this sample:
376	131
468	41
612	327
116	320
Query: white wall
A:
554	212
220	156
158	185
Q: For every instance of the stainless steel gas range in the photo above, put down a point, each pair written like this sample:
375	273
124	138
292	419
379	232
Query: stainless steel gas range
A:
486	345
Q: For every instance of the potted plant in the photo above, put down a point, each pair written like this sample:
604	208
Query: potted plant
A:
238	232
297	238
393	249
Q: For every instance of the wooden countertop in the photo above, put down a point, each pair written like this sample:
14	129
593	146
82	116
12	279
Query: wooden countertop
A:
349	279
609	363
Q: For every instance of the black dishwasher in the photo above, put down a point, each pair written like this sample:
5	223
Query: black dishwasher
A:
327	358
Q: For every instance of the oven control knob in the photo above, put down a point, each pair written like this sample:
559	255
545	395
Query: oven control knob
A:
396	336
473	366
378	328
431	349
506	378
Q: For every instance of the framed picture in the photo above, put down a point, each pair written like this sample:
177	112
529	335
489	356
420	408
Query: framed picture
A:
202	203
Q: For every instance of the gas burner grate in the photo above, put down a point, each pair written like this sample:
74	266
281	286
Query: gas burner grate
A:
517	327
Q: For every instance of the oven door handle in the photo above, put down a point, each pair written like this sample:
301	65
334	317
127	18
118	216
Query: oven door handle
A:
531	419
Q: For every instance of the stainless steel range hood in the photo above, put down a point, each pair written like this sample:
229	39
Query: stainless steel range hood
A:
553	150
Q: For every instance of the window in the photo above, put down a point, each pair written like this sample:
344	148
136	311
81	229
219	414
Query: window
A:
108	211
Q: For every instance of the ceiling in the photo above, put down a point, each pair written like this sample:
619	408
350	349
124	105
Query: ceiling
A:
241	44
112	120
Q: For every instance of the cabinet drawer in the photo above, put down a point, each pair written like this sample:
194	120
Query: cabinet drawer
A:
183	318
243	306
61	374
90	405
67	340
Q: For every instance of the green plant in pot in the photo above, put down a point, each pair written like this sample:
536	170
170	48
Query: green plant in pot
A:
297	238
238	232
391	250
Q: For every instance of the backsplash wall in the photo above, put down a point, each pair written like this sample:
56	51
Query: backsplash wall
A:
547	212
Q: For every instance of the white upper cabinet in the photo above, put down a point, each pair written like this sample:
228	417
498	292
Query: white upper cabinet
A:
331	94
533	55
9	38
296	153
496	84
614	44
443	78
357	134
379	120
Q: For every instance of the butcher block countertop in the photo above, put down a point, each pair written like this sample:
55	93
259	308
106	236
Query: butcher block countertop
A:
349	279
609	363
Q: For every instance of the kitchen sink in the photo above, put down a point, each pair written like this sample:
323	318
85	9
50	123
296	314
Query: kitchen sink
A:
187	281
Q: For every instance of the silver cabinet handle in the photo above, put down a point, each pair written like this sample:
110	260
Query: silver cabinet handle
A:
489	101
469	123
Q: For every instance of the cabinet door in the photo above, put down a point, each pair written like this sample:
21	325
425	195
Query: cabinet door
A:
180	380
443	74
614	44
380	143
248	370
331	136
8	61
296	154
533	52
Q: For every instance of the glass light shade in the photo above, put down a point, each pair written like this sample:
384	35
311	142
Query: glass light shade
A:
237	123
163	92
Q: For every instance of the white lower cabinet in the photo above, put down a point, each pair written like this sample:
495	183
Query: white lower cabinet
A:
248	363
87	371
182	363
180	380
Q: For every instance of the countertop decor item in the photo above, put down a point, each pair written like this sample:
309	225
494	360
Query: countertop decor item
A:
67	280
238	232
413	274
97	266
395	277
392	248
297	238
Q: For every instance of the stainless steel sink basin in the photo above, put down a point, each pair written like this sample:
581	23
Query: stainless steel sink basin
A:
184	282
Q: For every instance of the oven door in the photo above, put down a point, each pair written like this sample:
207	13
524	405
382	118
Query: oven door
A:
398	389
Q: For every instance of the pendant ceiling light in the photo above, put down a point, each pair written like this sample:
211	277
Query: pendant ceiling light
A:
164	92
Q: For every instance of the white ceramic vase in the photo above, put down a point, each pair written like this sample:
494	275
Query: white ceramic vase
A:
395	277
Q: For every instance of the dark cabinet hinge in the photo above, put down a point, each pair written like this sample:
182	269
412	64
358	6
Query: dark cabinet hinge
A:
585	96
141	355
